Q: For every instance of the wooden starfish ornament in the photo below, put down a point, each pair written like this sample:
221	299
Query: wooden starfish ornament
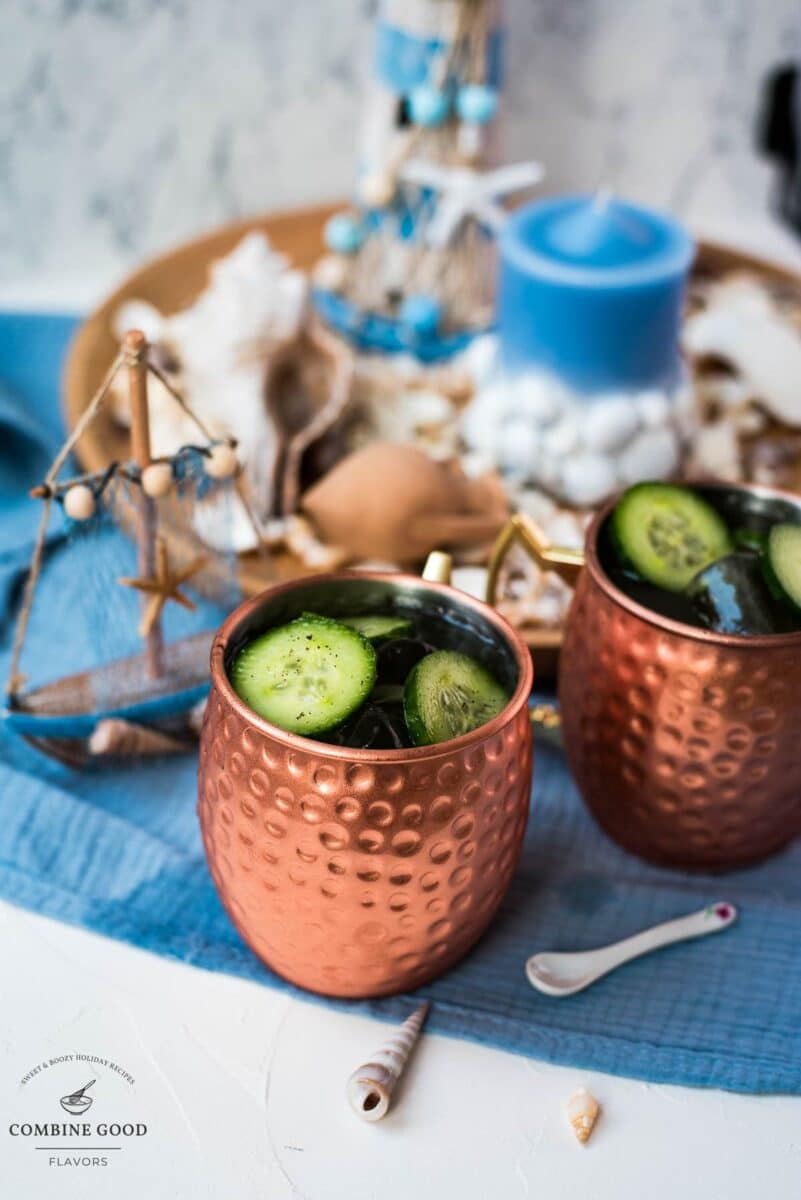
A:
163	586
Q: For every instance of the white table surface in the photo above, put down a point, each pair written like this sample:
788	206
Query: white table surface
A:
242	1088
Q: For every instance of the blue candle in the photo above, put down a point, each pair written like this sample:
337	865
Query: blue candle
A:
592	289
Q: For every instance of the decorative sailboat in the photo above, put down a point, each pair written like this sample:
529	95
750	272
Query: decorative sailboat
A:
137	703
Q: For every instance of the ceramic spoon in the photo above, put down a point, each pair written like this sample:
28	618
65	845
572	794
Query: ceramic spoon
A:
558	974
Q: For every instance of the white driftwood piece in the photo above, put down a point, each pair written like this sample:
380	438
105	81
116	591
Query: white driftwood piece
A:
371	1085
582	1113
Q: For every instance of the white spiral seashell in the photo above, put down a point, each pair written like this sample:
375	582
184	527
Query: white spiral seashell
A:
371	1085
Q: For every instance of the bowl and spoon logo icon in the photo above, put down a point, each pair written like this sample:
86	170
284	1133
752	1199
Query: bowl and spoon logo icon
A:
78	1102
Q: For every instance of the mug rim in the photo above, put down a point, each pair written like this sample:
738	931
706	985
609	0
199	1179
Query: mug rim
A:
520	651
735	640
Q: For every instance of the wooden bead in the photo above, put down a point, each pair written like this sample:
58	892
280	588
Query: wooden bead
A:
221	461
79	502
331	273
157	479
378	190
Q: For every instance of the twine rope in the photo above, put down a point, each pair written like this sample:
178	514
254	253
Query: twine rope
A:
50	488
21	628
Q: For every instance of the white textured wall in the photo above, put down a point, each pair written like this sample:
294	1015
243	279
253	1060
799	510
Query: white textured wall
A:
128	124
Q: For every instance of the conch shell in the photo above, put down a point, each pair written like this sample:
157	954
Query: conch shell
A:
370	1087
394	503
743	327
582	1113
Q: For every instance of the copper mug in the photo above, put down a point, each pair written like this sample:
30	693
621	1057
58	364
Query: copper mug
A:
362	872
685	743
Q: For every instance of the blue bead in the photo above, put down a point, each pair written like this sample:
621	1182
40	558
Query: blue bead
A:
344	234
428	105
477	103
422	314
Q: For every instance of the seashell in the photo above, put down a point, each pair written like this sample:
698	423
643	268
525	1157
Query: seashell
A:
652	454
608	423
394	502
582	1113
371	1085
586	479
743	327
116	738
309	387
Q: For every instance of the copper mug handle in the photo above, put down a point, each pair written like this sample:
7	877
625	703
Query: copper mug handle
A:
565	561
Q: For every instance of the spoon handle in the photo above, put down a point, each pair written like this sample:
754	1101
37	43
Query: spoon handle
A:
707	920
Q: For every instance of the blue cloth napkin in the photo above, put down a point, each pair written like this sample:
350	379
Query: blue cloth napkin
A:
118	851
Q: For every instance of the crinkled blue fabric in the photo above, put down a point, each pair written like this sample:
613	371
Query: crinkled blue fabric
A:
118	852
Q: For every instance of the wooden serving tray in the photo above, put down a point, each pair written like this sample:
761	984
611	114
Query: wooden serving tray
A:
172	281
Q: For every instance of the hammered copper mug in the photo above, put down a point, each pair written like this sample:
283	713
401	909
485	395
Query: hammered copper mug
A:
363	872
685	743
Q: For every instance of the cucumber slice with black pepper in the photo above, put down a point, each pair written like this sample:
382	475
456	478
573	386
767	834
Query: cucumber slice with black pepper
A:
448	694
782	563
378	627
305	677
668	533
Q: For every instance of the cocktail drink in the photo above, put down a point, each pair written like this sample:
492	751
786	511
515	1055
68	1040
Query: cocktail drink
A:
730	563
679	672
380	680
365	769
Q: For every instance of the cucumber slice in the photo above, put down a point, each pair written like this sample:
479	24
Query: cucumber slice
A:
782	563
448	694
668	533
380	626
305	677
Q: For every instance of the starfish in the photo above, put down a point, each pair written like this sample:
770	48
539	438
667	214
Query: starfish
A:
466	192
163	586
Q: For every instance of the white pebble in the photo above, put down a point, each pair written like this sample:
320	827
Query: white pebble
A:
535	503
481	425
519	448
480	358
472	580
587	479
565	529
536	398
654	454
608	423
654	409
562	438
